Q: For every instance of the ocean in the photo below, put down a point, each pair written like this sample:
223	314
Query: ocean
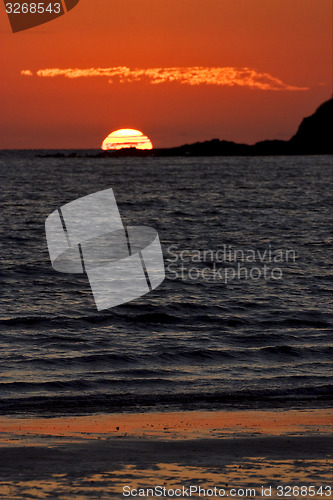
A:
243	319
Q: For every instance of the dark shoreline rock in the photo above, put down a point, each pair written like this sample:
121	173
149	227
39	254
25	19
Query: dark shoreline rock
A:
313	137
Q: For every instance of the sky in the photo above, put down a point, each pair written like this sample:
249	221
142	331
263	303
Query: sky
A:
180	71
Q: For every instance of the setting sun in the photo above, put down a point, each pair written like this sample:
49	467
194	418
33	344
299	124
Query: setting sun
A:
126	138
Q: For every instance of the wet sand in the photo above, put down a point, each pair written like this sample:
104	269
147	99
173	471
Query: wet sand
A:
97	456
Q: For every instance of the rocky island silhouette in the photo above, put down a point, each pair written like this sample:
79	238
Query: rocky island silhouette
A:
313	137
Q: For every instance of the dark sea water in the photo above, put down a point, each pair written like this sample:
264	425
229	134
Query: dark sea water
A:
196	342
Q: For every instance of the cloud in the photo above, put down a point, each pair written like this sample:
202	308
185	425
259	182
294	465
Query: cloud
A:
26	72
196	75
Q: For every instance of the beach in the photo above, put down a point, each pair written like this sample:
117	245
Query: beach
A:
115	456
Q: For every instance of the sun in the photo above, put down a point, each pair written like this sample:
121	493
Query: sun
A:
126	138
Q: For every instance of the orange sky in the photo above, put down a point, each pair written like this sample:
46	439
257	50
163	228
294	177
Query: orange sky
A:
179	70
